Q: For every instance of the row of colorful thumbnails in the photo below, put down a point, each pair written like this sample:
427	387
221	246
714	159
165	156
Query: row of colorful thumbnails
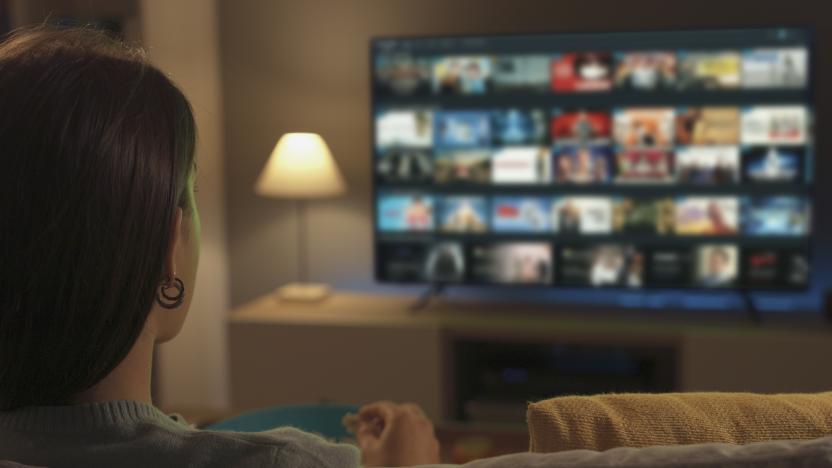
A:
787	216
600	265
628	127
582	165
403	74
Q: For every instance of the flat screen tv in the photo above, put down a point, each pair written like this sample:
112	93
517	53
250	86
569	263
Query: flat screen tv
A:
669	159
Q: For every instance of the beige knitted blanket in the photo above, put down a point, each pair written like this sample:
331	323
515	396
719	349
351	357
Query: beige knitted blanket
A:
639	420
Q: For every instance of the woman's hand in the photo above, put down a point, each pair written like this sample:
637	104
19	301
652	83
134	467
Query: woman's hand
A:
391	434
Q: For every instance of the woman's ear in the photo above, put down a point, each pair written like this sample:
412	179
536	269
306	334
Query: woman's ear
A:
175	244
162	322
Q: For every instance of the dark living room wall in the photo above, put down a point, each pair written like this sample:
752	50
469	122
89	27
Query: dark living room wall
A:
303	66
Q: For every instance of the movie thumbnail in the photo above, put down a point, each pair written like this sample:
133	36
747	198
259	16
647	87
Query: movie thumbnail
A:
643	216
605	265
405	212
405	165
776	216
521	73
645	71
462	129
581	127
671	266
775	268
402	74
584	71
709	70
707	216
775	68
463	167
445	263
583	165
582	215
775	125
708	165
519	127
462	213
401	261
644	166
513	263
521	165
462	75
644	127
717	265
773	164
708	126
520	214
409	128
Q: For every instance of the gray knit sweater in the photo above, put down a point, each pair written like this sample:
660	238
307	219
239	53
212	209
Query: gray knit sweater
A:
132	434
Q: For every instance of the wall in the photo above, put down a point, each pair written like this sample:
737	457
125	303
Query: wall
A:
181	37
126	12
291	66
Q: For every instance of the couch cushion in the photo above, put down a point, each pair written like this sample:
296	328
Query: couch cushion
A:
815	453
639	420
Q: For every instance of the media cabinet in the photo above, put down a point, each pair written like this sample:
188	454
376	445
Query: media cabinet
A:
480	362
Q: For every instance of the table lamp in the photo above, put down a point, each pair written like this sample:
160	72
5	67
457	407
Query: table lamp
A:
301	167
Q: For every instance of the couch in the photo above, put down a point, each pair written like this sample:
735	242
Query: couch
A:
680	430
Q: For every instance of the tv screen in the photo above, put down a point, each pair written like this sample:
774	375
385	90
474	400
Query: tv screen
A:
674	159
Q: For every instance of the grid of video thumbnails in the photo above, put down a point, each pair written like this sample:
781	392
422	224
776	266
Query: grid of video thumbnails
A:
607	196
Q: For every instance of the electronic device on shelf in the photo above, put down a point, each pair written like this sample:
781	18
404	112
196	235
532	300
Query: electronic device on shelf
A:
493	381
664	159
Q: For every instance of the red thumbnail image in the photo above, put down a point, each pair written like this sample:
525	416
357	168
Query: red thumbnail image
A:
581	126
582	71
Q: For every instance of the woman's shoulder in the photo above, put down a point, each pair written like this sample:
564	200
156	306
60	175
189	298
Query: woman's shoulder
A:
131	434
278	447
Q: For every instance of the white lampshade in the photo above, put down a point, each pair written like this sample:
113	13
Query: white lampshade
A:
301	166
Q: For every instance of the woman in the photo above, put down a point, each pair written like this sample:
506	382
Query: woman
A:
99	245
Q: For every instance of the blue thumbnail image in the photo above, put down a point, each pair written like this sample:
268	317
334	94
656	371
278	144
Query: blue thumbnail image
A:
405	212
773	164
521	214
462	129
776	216
519	127
462	214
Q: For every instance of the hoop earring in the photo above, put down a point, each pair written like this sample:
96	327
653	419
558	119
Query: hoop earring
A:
171	301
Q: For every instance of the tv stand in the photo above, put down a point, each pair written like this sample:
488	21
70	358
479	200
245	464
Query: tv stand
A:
354	347
424	300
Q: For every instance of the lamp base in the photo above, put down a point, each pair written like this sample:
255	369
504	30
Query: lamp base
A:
303	292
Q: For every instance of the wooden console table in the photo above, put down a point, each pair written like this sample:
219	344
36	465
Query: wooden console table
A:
360	347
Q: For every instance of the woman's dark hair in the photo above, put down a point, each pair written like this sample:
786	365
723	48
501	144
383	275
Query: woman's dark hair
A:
96	147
